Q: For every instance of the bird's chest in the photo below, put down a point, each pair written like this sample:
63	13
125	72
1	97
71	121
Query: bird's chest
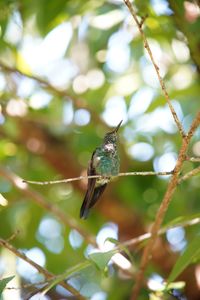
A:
106	164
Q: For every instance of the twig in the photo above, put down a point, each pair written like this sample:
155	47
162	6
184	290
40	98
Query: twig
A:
40	200
66	274
193	159
45	84
13	236
161	231
143	20
40	269
129	243
189	174
150	173
162	84
163	207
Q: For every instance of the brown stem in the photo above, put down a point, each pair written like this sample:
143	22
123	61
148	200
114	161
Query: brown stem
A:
163	208
149	173
45	84
161	231
41	201
162	84
189	174
193	159
40	269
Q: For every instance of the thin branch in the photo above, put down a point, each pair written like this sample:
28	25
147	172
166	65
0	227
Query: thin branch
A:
57	278
13	236
161	231
40	269
143	20
193	159
45	84
150	173
163	207
162	84
193	127
41	201
189	174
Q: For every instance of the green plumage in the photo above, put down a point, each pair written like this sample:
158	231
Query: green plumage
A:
105	162
109	162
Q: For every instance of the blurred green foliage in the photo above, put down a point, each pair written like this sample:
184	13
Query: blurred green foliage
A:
49	128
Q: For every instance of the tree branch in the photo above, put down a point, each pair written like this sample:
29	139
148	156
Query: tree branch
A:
42	82
40	269
41	201
62	216
163	207
162	84
189	174
150	173
161	231
193	159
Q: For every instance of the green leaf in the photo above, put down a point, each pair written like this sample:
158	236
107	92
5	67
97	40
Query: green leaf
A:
69	272
122	248
47	12
181	220
179	285
101	259
4	282
191	253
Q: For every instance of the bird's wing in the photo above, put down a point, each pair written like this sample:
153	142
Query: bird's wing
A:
90	190
98	191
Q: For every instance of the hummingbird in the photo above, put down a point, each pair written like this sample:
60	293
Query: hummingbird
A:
105	162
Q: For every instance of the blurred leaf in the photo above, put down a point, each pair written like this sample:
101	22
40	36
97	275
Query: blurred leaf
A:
69	272
181	220
47	12
50	144
101	259
176	285
122	248
191	254
4	282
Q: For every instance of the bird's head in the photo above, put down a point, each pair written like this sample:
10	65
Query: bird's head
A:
111	137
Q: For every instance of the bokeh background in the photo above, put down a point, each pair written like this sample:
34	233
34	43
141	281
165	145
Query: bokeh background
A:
69	72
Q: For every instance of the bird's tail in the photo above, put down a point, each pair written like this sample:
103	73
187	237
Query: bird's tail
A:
85	207
90	200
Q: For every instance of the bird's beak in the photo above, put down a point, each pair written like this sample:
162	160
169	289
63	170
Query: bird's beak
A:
117	128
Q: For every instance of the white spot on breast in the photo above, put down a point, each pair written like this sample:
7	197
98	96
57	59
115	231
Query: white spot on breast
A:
96	160
109	147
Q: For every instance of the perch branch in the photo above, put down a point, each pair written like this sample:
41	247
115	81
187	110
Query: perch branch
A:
41	201
98	176
162	84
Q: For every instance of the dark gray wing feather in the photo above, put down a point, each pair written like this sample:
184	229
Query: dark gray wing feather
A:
90	190
98	191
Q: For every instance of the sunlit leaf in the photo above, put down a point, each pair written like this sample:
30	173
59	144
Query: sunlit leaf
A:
101	259
191	254
121	247
4	282
69	272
